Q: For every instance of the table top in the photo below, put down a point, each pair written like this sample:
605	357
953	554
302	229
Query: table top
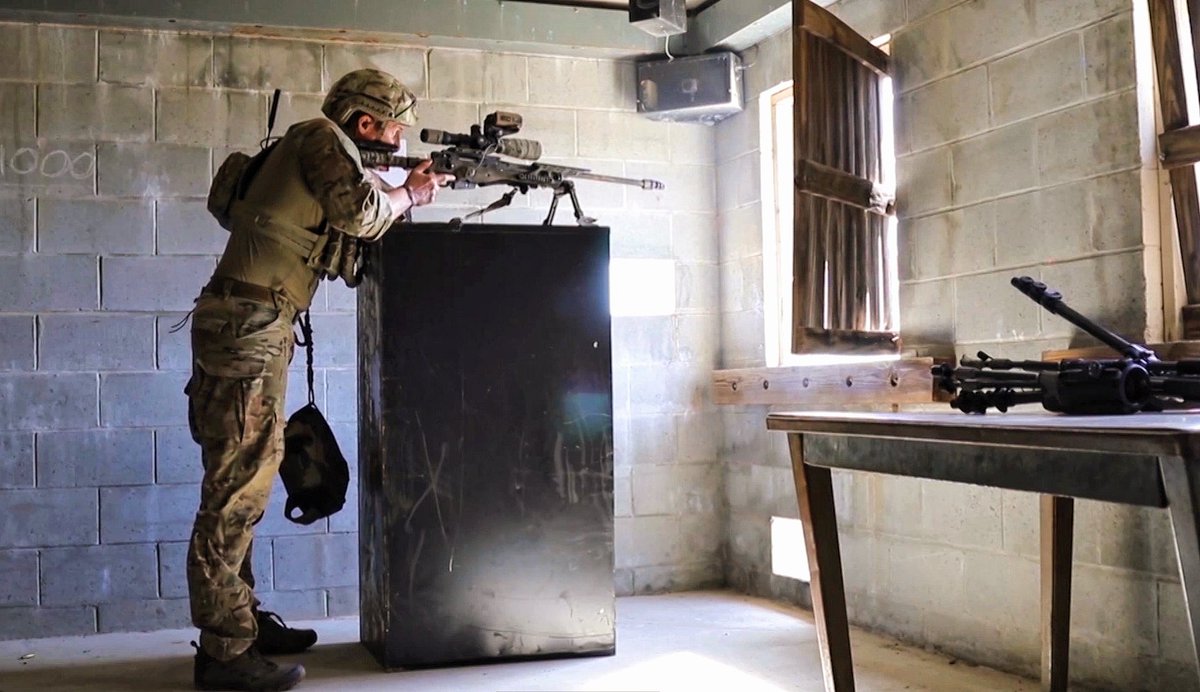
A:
1139	433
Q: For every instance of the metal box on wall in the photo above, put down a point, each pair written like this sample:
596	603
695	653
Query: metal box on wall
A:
485	445
659	17
700	88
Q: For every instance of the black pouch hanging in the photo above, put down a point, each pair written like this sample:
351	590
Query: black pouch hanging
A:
314	472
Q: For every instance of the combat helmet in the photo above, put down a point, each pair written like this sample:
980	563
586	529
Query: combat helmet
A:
373	92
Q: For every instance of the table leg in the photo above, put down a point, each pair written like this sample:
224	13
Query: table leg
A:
1183	503
814	490
1058	518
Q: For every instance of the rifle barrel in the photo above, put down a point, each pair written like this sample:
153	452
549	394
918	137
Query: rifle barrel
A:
644	183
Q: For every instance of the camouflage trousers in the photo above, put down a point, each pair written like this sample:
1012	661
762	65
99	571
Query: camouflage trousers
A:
240	354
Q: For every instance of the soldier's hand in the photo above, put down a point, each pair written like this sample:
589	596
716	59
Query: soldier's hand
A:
422	185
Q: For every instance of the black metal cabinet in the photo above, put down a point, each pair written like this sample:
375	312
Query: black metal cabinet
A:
485	445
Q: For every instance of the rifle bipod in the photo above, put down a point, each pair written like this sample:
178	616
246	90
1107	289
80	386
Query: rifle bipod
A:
566	187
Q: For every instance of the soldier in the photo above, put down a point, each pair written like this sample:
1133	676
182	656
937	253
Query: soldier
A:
300	219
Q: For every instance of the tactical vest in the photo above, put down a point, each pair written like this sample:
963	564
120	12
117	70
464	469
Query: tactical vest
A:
278	235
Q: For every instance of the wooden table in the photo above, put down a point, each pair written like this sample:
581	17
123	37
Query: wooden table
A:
1151	460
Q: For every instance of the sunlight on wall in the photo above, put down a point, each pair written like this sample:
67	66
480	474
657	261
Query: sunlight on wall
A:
641	287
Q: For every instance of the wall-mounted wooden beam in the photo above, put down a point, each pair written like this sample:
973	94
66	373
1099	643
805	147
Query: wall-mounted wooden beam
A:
906	381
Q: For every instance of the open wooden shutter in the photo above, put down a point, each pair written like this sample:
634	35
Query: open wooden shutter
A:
842	272
1180	144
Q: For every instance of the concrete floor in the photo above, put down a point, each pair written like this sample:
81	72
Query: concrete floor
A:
689	642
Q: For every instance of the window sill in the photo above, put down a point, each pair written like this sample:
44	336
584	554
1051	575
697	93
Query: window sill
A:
903	381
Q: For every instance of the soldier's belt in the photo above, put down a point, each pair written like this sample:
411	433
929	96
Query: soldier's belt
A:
222	286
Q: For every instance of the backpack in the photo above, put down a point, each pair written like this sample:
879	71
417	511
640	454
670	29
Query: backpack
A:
232	180
314	472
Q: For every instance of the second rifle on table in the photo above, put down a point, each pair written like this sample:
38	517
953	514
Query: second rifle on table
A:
1135	381
475	161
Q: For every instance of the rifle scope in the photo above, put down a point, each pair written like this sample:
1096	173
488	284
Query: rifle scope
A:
526	149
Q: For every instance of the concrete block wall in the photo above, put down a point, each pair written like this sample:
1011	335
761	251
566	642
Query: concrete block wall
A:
1021	131
110	137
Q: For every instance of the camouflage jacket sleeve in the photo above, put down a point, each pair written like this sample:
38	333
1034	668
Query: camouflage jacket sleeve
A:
334	174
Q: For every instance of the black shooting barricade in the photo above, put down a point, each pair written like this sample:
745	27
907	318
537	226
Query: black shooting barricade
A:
485	445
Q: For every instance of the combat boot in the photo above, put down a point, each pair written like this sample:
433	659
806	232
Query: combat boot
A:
249	671
275	638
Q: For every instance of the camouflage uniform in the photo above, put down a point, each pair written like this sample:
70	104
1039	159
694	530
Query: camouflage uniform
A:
312	187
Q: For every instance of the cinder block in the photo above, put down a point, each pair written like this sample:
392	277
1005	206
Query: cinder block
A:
143	399
153	170
740	232
925	182
697	288
405	64
339	297
35	402
742	284
211	117
622	135
297	387
699	436
925	576
89	458
692	143
623	582
49	517
1010	315
153	284
642	340
652	439
176	457
99	574
104	112
950	243
1072	14
1134	538
739	180
262	63
184	227
73	342
1096	137
741	339
335	341
33	623
641	541
149	615
623	491
738	135
946	110
749	539
582	83
16	343
461	75
47	54
146	514
870	18
920	8
293	108
923	52
17	110
43	284
16	460
343	602
696	339
1109	289
308	562
1108	56
676	489
95	226
1021	86
346	520
996	163
1174	637
17	217
675	578
1115	203
298	605
341	396
962	515
929	312
156	58
672	388
639	235
174	342
18	579
694	237
42	168
1128	619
